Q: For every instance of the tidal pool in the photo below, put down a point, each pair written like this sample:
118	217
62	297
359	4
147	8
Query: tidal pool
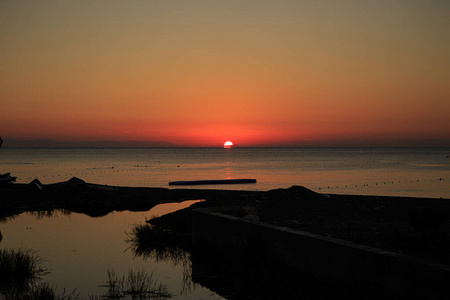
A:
78	250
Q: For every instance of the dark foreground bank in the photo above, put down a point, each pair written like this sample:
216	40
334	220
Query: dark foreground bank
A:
418	227
98	200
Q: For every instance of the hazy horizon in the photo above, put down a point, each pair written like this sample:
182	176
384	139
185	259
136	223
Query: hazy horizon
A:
50	143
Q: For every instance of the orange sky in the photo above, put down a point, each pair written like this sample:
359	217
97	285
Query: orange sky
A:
198	73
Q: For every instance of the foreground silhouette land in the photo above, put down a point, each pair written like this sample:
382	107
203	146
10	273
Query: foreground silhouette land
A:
242	266
416	226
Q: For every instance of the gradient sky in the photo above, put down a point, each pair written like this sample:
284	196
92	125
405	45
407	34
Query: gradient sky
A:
198	73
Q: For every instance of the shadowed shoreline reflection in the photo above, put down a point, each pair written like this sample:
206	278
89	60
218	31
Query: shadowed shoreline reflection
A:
152	242
53	213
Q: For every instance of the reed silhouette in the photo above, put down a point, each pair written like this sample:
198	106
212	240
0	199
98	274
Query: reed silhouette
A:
150	241
136	285
19	271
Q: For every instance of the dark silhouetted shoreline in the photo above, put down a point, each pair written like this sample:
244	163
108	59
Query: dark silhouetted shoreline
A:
418	226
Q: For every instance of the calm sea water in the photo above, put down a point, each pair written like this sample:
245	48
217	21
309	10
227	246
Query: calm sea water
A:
419	172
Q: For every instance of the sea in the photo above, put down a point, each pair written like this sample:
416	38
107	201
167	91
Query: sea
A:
78	251
415	172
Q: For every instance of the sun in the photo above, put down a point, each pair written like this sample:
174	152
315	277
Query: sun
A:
228	144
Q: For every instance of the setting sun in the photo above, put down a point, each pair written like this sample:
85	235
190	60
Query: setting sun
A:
228	144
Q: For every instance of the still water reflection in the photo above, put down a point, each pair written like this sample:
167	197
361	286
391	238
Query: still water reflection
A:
78	250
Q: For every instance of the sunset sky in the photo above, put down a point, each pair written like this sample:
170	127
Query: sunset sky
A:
199	73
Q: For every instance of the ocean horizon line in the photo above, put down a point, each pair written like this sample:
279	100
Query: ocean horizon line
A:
219	147
50	143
